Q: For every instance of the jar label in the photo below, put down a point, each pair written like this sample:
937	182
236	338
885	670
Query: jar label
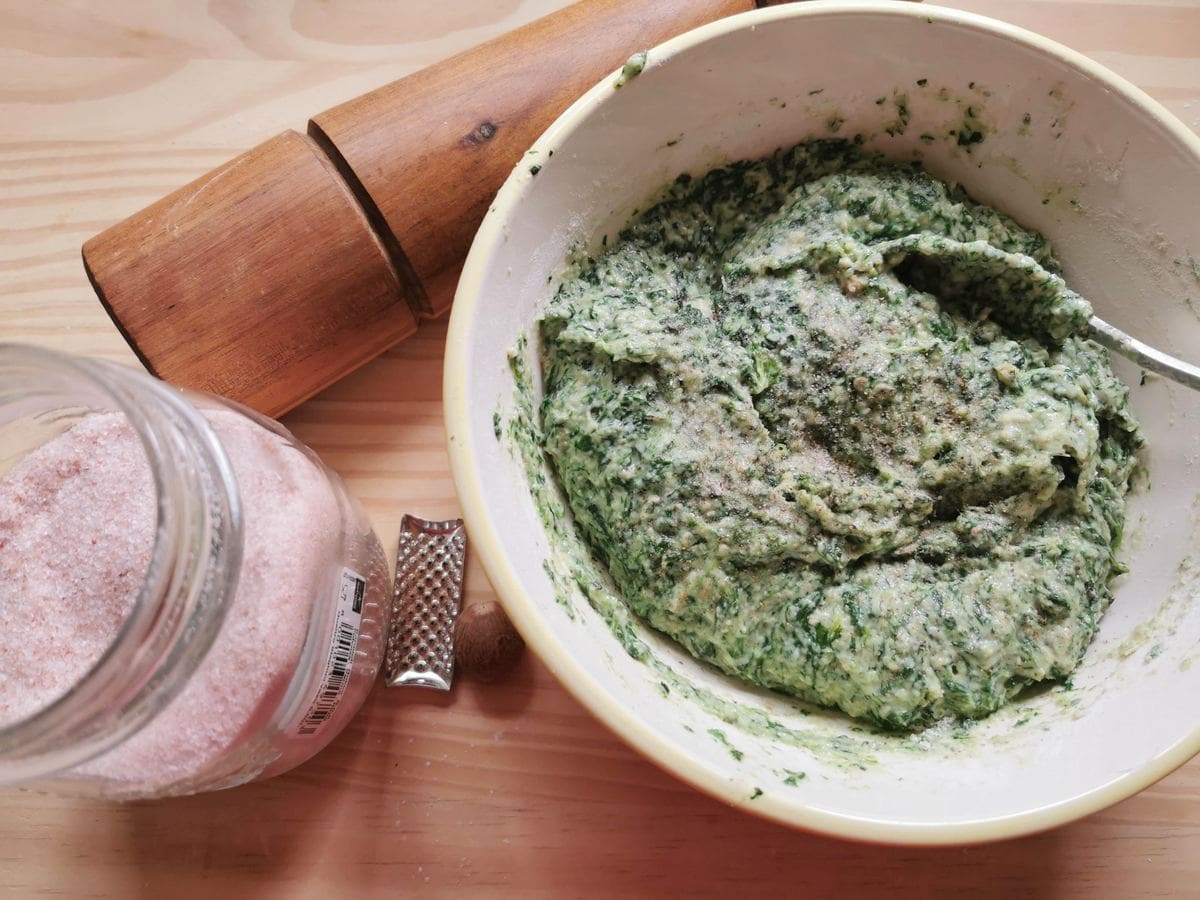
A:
340	659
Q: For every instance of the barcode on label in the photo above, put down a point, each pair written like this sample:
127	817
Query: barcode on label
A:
340	658
335	683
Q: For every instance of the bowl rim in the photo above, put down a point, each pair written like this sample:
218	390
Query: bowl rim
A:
591	693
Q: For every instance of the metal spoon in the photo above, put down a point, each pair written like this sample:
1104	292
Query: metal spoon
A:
1144	355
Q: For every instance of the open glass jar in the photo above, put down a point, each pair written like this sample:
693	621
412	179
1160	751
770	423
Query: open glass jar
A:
189	598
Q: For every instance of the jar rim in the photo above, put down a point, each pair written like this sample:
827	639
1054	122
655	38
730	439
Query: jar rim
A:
191	572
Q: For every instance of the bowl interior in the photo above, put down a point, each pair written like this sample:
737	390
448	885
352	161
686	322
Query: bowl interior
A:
1025	126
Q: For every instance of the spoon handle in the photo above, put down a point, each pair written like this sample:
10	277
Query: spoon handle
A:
1144	355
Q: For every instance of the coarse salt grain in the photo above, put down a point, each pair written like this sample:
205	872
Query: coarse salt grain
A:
76	533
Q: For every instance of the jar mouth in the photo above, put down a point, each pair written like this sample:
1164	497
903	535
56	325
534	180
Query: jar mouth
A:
190	574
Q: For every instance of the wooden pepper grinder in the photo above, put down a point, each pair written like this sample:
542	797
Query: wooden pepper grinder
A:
274	275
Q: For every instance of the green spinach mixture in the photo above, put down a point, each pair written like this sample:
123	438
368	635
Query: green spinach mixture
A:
833	427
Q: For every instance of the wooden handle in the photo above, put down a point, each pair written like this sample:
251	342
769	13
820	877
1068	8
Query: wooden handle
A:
262	280
285	269
459	127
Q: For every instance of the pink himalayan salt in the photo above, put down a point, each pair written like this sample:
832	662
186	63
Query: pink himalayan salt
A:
76	529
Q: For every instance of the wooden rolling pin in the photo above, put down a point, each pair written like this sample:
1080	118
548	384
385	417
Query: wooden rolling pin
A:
274	275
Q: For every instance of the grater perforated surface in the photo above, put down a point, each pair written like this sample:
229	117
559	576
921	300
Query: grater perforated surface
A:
425	603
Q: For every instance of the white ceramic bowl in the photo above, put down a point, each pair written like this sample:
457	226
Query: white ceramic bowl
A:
1102	169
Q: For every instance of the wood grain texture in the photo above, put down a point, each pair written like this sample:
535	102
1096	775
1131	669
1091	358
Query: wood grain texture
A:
432	149
281	271
262	281
502	790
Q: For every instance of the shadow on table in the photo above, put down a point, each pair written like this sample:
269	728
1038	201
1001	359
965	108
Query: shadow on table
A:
513	790
366	794
260	833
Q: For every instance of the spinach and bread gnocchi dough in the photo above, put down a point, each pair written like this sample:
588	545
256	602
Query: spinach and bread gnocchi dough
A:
833	427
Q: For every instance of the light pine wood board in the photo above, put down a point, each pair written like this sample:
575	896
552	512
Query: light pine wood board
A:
508	789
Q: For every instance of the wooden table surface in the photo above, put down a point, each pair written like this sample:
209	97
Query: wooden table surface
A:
508	789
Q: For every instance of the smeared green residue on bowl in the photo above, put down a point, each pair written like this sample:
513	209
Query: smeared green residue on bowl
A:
632	69
575	575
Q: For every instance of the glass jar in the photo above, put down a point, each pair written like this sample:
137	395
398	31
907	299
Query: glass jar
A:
189	598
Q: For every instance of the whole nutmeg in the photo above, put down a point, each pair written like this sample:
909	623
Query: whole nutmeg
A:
485	643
